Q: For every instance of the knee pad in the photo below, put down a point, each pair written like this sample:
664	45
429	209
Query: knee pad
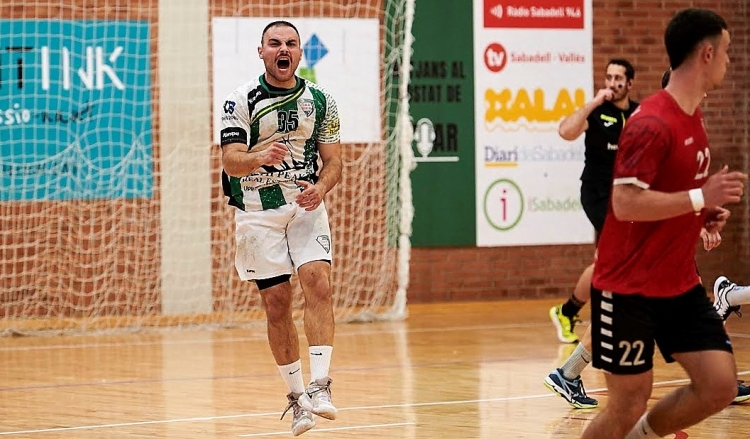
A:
272	281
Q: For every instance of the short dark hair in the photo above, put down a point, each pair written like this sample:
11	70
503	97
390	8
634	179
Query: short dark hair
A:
629	70
687	29
274	24
665	77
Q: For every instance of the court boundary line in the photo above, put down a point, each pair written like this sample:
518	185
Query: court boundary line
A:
325	430
343	409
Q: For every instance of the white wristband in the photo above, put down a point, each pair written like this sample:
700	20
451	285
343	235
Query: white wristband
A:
696	198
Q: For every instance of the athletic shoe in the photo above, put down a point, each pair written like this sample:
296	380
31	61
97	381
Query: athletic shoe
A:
571	390
564	325
743	392
302	420
317	399
722	287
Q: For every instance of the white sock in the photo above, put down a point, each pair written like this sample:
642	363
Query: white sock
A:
642	430
739	295
578	360
320	362
292	375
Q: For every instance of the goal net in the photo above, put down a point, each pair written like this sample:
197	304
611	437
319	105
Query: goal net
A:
111	211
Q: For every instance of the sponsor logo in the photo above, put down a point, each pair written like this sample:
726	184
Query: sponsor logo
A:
314	50
429	137
551	204
306	106
227	117
325	242
229	107
496	156
503	204
534	14
497	11
23	116
66	85
230	134
611	146
511	109
608	120
424	136
689	141
251	100
495	57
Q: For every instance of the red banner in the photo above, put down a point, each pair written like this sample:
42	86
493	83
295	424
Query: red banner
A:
533	14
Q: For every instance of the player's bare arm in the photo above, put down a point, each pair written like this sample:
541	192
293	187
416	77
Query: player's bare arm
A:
574	125
330	174
238	161
632	203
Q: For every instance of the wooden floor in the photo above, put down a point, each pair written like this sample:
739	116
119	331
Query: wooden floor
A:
448	371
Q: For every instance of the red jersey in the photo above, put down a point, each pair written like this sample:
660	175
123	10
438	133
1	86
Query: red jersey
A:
663	149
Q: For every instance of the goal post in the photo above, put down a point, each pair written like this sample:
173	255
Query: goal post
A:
111	212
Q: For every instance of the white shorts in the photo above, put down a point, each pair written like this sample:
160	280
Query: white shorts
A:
277	241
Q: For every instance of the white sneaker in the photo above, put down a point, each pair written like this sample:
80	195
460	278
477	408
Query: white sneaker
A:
722	287
317	399
302	420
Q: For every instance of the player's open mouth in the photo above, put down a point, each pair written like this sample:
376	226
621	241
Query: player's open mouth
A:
283	63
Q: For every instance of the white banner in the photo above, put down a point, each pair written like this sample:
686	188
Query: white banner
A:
533	67
342	55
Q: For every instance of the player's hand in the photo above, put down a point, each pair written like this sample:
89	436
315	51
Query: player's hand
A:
716	219
711	240
311	195
605	94
723	187
273	154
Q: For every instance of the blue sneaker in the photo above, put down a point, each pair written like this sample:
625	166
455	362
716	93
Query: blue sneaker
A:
743	392
571	390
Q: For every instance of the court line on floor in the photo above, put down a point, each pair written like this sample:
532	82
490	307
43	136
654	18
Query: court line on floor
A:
274	414
343	370
104	382
322	430
341	409
263	337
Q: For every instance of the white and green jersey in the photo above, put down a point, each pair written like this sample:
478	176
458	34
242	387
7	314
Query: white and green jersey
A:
257	114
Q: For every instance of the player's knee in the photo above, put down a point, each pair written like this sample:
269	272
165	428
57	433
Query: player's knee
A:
315	278
631	405
718	394
277	302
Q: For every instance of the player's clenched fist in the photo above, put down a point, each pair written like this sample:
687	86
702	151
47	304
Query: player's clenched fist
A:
273	154
724	187
603	95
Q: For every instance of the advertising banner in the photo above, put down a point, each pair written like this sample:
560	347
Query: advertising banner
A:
532	64
75	110
442	108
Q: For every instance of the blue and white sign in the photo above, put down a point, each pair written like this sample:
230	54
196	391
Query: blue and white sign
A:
75	110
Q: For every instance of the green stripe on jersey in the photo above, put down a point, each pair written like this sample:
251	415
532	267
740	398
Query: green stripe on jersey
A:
271	197
279	104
